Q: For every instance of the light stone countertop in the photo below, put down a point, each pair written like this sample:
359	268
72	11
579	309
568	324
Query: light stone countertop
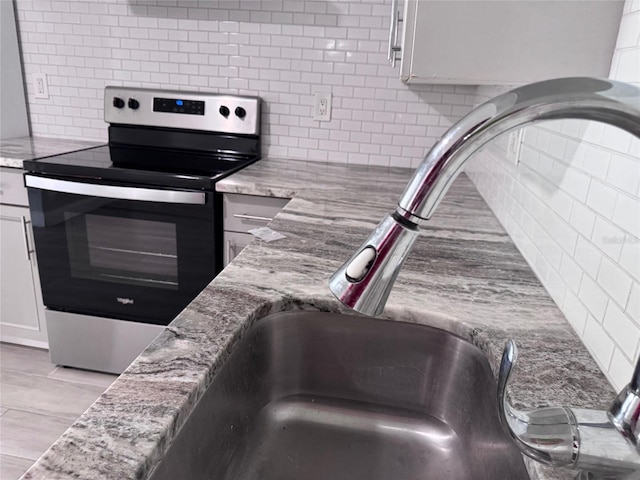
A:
14	151
464	275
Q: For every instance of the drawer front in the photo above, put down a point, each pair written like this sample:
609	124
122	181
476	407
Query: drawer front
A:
12	189
245	212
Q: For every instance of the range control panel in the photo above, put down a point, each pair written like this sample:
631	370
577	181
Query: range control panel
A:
186	110
176	105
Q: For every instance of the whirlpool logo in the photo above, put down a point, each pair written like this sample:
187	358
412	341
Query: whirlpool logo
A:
125	301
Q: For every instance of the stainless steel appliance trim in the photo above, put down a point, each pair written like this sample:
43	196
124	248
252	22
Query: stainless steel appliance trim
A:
119	193
96	343
252	217
211	121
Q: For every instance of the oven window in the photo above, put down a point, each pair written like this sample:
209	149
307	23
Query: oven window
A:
123	250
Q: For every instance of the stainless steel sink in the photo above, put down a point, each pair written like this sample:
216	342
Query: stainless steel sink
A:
308	395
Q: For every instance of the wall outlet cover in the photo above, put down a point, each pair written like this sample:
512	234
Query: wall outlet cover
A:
40	87
514	145
322	106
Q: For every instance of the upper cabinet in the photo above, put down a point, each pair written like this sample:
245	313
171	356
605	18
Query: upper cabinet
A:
503	42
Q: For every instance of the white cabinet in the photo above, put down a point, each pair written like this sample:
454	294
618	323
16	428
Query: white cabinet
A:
21	307
504	42
242	213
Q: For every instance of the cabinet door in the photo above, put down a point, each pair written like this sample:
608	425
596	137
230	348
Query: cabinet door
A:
20	299
507	42
234	242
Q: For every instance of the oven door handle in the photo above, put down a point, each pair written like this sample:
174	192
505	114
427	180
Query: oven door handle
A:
119	193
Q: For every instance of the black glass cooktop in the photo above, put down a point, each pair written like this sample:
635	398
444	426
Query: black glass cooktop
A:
142	166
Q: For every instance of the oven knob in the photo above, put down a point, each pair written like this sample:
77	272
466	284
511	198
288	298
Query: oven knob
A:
118	102
224	111
240	112
134	104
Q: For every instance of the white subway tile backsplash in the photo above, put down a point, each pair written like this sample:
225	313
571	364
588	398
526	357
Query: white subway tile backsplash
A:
622	330
634	148
614	281
633	304
608	238
562	232
582	219
594	161
624	173
619	368
592	134
630	256
593	297
599	343
571	272
628	66
615	139
561	203
627	214
601	198
576	184
575	311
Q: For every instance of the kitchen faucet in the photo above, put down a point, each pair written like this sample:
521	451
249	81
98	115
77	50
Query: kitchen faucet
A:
586	440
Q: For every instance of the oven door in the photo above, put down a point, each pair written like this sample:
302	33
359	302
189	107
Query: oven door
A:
130	253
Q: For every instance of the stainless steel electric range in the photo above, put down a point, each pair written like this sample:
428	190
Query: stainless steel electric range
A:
127	234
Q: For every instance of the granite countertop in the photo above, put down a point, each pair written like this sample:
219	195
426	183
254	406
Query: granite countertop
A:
14	151
464	275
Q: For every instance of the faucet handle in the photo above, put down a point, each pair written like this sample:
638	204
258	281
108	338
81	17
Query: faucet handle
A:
548	435
624	412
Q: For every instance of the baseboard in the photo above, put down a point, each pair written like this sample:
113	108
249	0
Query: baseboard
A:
24	341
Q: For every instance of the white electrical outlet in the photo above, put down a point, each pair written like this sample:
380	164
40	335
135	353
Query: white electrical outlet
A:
322	106
514	143
40	87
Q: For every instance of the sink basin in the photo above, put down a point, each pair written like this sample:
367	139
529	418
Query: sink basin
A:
309	395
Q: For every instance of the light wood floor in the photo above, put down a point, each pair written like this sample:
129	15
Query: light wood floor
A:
38	402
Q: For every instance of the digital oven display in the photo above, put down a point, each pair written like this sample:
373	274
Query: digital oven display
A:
175	105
